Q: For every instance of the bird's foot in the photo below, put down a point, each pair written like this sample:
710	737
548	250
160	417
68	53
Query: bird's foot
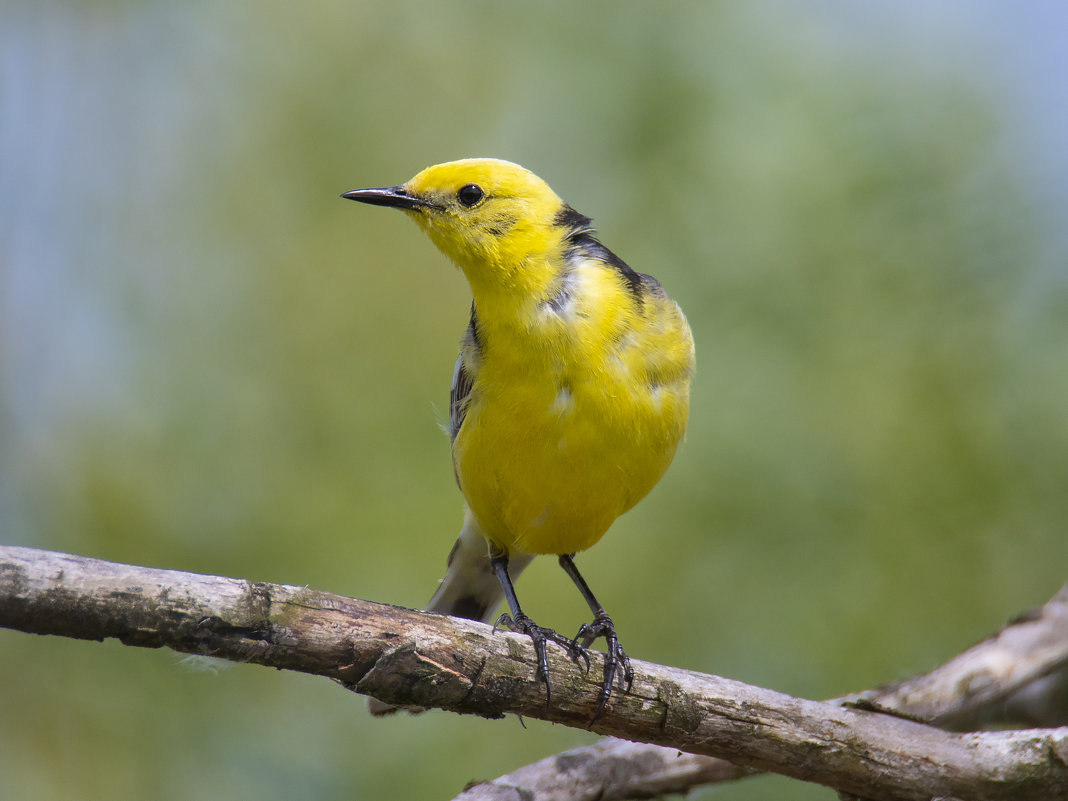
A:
539	636
615	658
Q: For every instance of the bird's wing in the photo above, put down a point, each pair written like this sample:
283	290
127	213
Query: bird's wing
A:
461	388
463	378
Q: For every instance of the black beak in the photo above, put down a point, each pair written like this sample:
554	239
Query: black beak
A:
395	196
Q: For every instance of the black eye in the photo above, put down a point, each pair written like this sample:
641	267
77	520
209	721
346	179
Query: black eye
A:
470	194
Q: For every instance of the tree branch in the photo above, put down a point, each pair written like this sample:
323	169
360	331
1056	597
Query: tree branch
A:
1014	677
406	657
1017	676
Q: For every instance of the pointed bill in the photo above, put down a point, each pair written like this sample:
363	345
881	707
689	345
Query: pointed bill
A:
395	196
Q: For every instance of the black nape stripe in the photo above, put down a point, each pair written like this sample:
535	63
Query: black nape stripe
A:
580	238
632	279
572	220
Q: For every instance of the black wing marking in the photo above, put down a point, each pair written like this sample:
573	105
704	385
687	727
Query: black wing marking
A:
462	380
461	388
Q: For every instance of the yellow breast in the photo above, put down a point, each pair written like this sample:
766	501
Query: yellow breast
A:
576	408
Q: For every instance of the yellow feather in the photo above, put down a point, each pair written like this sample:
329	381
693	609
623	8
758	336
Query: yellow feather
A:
575	413
570	396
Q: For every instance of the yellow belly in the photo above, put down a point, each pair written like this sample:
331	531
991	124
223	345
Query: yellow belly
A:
547	465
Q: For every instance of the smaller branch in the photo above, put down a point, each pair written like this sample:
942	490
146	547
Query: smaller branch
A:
404	657
994	682
1018	675
609	770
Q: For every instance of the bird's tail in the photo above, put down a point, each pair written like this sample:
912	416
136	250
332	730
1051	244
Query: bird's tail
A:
470	588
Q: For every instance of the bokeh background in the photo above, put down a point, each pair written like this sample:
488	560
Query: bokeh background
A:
211	363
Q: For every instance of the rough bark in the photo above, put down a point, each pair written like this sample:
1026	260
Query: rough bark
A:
406	657
1018	676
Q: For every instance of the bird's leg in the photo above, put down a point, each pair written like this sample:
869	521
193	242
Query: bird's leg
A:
601	626
517	621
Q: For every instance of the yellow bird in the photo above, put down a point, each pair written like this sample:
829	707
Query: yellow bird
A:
569	397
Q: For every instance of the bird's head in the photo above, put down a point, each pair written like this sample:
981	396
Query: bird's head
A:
492	218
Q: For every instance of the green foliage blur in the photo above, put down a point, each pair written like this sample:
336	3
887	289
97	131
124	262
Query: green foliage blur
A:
874	473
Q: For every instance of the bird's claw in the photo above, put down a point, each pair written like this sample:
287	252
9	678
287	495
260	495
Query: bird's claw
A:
539	635
615	657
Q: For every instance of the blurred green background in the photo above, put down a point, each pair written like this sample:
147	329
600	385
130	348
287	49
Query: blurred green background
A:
211	363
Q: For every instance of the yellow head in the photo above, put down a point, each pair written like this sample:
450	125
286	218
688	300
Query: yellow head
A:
493	219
